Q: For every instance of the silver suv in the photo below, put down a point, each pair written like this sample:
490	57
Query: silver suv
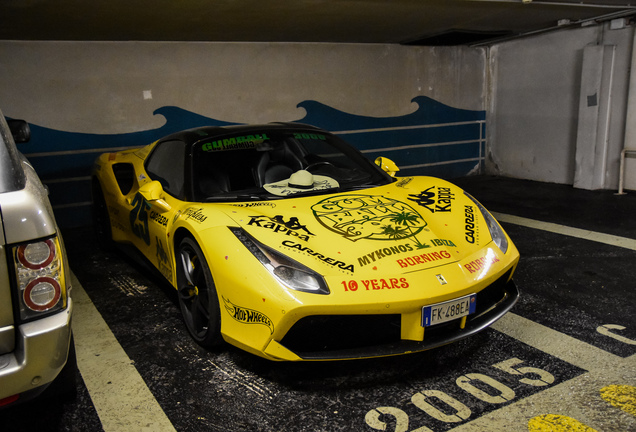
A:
36	347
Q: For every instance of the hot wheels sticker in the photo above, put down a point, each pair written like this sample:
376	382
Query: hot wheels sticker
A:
248	316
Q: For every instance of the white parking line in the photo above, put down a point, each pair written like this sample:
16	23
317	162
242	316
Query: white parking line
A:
578	398
119	394
623	242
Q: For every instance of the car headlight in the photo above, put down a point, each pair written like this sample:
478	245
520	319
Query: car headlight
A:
40	277
497	234
285	270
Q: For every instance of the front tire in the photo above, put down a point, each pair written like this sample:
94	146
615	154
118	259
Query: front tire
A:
197	295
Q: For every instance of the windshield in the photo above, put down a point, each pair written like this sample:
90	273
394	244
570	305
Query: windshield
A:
256	165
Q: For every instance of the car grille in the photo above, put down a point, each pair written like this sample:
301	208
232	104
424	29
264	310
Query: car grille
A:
351	336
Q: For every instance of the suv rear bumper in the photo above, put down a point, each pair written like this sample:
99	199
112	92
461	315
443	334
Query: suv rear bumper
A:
41	353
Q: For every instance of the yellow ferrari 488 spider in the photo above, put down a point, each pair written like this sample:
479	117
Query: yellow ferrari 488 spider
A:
288	243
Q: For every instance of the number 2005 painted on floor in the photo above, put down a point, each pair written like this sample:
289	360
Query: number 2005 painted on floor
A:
449	310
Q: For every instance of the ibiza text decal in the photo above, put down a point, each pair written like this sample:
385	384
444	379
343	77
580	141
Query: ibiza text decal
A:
375	284
248	316
423	258
238	143
440	204
371	217
278	225
331	261
194	214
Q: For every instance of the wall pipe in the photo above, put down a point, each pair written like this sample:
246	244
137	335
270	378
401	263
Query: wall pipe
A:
629	147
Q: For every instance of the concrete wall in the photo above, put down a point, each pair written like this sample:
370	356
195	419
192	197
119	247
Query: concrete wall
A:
535	93
100	87
84	97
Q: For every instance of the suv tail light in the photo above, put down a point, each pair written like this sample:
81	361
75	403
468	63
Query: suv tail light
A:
40	277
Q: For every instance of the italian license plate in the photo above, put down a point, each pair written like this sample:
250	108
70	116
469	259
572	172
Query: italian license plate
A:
448	310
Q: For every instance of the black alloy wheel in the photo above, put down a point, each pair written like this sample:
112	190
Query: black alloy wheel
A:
197	295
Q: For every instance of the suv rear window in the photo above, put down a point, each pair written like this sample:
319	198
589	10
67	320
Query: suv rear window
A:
12	176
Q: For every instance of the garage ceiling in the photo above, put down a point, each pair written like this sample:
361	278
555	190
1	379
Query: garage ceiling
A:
421	22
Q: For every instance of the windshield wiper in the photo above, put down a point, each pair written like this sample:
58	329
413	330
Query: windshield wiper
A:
237	197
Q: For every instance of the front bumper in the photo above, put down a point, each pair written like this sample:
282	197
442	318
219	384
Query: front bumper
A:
41	353
339	337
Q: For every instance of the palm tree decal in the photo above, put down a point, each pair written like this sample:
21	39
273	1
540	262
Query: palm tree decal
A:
405	218
396	233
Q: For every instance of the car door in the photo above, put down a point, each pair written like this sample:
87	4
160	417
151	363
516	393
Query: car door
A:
155	203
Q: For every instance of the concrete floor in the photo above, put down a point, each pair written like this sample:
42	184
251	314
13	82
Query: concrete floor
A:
562	360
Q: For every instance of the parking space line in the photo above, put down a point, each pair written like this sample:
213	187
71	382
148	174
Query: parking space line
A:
120	395
557	344
579	398
613	240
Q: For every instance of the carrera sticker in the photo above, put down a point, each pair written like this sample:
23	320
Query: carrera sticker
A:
375	284
371	217
158	218
278	225
472	234
435	204
423	258
327	260
248	316
194	214
238	143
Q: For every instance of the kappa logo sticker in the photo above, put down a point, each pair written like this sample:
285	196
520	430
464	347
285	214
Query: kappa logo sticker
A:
440	204
371	217
248	316
277	224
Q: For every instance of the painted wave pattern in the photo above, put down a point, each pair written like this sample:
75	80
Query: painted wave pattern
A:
435	140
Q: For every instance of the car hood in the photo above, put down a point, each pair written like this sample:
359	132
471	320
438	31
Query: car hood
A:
412	224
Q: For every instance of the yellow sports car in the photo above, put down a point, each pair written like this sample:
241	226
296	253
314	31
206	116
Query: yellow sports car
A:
286	242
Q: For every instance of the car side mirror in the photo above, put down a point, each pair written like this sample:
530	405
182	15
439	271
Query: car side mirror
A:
20	130
153	193
387	165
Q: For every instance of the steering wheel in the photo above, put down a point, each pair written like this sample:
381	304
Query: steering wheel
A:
317	164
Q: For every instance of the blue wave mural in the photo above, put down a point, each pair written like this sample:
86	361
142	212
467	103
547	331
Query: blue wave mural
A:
436	140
